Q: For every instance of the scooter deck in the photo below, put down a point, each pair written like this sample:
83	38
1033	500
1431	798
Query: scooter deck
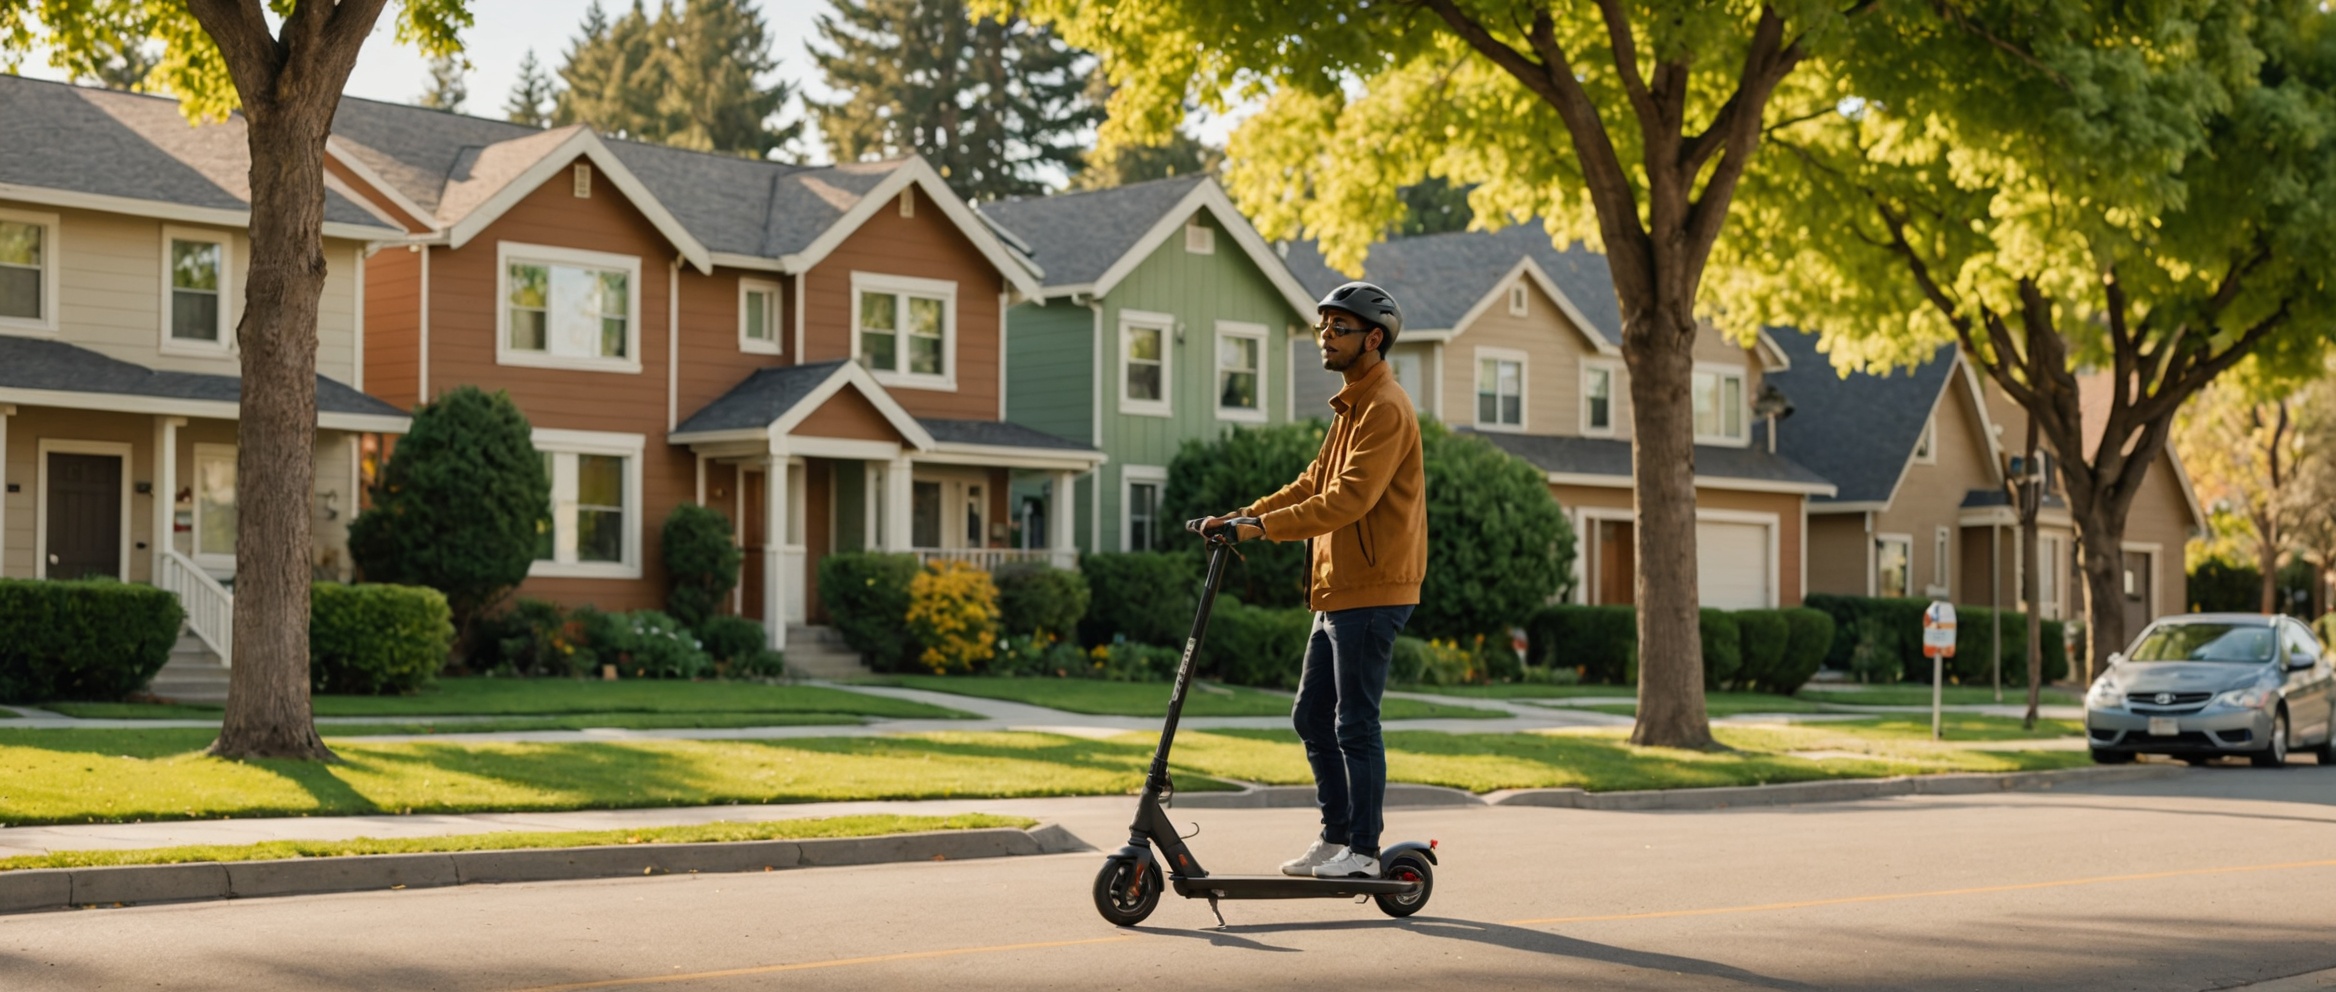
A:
1285	887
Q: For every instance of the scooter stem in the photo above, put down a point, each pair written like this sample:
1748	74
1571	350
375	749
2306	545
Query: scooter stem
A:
1157	781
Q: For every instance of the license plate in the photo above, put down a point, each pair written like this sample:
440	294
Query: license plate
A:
2163	726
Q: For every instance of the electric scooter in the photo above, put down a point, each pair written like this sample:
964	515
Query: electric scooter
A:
1129	886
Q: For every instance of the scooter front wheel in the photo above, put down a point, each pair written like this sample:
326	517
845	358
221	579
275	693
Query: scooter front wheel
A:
1408	867
1124	896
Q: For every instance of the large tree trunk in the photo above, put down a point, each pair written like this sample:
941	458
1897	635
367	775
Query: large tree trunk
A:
2101	543
1671	710
2267	561
268	710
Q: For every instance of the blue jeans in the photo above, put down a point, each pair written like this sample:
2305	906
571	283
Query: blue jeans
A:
1337	716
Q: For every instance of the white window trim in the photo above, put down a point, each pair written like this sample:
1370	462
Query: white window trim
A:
747	287
1253	332
507	252
41	452
1926	447
1524	389
1884	538
1165	406
1942	563
945	290
1613	372
1131	476
1744	395
52	265
1518	306
630	447
213	562
230	304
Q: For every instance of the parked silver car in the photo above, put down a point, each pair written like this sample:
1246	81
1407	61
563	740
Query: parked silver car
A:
2206	685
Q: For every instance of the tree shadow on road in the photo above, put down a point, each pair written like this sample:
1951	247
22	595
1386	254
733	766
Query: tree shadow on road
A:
1530	941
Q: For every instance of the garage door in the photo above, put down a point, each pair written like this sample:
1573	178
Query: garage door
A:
1731	565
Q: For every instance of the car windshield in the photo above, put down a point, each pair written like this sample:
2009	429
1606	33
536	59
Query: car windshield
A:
2228	642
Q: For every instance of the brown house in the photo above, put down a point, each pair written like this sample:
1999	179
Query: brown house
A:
814	351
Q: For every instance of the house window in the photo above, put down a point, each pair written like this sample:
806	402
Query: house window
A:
975	535
1517	300
1597	399
1500	388
1893	566
1143	363
564	308
1140	506
214	491
1926	446
1199	238
1941	555
758	317
924	514
595	527
28	270
1719	406
1240	368
905	328
197	289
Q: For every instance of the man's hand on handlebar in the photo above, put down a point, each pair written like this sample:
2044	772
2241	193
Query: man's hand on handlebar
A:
1227	526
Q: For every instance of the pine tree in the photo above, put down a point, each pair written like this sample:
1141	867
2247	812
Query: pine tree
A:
446	91
532	97
994	105
687	77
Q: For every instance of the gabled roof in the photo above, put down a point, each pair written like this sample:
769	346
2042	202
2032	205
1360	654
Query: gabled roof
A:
1440	279
1088	242
1858	430
1606	461
996	434
73	146
53	373
772	401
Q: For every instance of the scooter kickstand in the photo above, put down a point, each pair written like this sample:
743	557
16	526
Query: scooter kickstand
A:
1221	924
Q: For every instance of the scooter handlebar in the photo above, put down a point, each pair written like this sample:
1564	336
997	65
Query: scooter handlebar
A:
1226	533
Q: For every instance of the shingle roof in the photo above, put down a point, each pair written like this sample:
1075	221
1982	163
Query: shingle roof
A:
996	433
1436	278
1857	430
128	145
27	363
764	397
1076	237
1607	456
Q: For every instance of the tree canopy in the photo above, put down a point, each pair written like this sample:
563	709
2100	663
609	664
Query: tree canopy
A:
996	105
690	77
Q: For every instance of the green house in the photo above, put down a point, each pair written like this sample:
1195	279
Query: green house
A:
1163	317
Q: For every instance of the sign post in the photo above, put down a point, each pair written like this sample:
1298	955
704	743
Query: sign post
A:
1938	641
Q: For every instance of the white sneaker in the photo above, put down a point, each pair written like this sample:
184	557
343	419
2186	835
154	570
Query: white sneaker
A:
1348	864
1303	865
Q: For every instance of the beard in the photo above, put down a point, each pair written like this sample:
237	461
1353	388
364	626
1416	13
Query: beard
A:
1331	363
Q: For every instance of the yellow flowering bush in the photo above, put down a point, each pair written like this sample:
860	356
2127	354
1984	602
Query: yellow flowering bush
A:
953	613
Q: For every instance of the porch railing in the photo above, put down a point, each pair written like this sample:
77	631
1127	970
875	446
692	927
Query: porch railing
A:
210	607
989	559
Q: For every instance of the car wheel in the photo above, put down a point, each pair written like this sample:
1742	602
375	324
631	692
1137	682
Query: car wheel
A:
2103	756
2325	754
2275	754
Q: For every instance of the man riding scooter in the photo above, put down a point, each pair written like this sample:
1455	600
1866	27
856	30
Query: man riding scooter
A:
1361	506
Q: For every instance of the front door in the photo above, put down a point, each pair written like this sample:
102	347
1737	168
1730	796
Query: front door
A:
84	508
2136	582
1617	563
751	532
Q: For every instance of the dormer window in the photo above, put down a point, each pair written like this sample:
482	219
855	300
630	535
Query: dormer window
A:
1719	406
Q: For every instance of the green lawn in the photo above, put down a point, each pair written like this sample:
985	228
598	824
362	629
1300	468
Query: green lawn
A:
1919	695
481	725
567	697
719	831
1726	704
85	776
1102	698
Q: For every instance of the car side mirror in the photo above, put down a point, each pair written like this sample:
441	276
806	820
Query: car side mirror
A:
2116	658
2298	662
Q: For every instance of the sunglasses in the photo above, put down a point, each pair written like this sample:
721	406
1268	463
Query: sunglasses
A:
1331	330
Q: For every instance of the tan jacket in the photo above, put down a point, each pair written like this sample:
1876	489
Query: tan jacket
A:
1366	492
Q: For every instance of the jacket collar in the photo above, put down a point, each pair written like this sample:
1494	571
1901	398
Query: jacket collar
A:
1345	400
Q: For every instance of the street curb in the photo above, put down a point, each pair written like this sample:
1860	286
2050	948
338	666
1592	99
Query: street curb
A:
1830	791
67	888
1292	796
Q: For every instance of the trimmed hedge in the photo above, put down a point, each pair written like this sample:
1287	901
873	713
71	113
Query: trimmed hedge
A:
1763	637
1809	635
866	594
376	639
1897	632
740	648
1252	645
1600	641
1764	650
1036	598
701	563
1142	596
1723	647
96	639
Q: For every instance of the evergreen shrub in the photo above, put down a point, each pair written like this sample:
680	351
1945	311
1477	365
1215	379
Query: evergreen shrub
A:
1230	471
1599	642
1142	596
866	595
532	638
701	563
1723	647
1765	634
740	648
376	639
1499	546
94	639
1037	598
1809	639
1252	645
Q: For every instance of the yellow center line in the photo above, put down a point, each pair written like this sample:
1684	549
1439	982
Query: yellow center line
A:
769	969
1933	894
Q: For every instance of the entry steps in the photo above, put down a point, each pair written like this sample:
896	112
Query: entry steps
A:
819	652
192	675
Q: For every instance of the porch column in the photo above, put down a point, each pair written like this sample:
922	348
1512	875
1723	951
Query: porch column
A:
165	537
899	497
6	411
1062	520
774	541
701	480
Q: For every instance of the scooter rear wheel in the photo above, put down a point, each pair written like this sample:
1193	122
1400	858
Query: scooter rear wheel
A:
1408	867
1123	897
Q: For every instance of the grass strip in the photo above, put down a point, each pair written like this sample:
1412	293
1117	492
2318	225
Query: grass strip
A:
1919	695
1519	690
1714	704
475	696
703	833
1150	699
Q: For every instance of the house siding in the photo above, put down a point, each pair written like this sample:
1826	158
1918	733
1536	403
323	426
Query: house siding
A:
711	360
1050	364
926	246
1554	350
1837	553
1930	496
393	321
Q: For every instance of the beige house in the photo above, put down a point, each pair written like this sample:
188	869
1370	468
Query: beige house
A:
122	258
1510	338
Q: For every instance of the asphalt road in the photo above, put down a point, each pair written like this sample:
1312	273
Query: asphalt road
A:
2217	878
